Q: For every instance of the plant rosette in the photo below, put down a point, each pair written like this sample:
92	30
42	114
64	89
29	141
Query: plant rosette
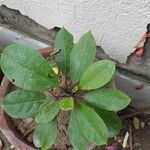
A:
74	84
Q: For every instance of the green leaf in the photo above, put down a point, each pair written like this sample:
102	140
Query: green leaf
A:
66	103
47	112
82	56
64	42
76	137
136	123
111	120
27	69
92	126
22	104
97	75
108	99
45	135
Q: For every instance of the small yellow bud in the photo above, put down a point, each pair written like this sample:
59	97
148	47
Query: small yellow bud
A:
75	89
55	69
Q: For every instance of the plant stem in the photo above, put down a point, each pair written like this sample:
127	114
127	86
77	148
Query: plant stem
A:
29	131
66	84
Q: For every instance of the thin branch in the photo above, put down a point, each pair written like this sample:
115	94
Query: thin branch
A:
29	131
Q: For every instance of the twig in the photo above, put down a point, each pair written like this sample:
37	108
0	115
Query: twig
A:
137	112
29	131
125	141
130	138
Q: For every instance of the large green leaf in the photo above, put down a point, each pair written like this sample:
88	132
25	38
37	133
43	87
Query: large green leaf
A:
45	135
64	42
92	126
82	56
111	120
76	136
97	75
27	69
22	104
66	103
47	112
108	99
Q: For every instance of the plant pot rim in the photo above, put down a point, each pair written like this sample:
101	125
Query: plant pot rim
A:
6	126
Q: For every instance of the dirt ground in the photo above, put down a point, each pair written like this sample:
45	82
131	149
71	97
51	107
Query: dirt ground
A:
138	139
4	143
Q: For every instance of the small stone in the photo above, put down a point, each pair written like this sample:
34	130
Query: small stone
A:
30	138
148	123
20	124
115	138
12	147
1	144
22	129
119	140
28	120
142	124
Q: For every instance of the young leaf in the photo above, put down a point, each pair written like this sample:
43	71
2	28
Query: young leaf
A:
45	135
75	89
92	126
111	120
66	103
22	104
97	75
64	42
108	99
76	137
27	69
82	56
47	112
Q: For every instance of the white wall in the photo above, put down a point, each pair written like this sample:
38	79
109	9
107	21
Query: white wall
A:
116	24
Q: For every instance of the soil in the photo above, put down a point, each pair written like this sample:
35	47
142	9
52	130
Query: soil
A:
26	127
5	144
62	141
138	139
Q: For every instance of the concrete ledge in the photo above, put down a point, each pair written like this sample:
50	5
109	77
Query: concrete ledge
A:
26	25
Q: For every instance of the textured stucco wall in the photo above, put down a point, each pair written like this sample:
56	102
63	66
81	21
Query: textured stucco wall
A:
116	24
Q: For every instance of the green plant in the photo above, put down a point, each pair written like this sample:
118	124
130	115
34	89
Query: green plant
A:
83	87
